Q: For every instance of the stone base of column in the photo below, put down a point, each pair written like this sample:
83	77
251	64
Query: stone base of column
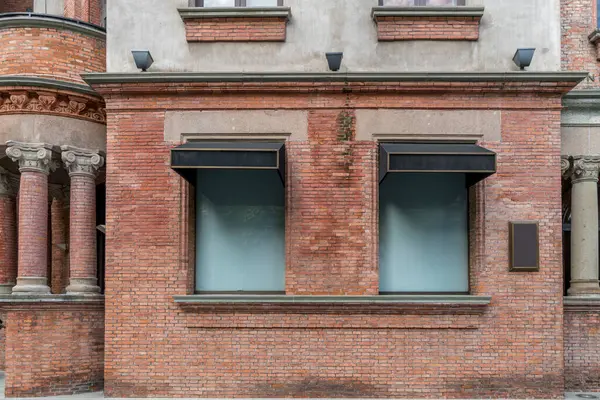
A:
582	287
83	287
6	288
31	286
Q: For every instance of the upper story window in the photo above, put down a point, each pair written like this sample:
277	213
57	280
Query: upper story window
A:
236	3
408	3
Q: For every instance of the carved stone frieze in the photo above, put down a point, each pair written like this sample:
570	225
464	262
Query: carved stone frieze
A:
82	161
32	157
46	102
585	168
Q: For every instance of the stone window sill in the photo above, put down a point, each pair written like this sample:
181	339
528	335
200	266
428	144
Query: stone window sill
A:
235	24
427	23
53	301
388	304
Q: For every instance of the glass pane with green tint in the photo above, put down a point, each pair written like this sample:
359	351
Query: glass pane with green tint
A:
240	231
423	233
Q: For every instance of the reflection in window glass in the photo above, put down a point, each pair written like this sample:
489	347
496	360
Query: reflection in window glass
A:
407	3
261	3
219	3
423	233
240	231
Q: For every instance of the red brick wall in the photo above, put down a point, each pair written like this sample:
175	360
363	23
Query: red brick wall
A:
236	29
50	53
427	28
52	352
7	6
2	341
155	348
8	240
578	21
582	351
84	10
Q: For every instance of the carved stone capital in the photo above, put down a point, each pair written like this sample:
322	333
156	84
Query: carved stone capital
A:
82	161
32	157
565	166
585	168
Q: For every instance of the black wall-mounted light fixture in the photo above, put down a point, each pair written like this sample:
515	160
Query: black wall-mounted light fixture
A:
143	59
334	60
523	58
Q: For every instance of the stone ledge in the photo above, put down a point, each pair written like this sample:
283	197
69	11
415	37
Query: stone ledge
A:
427	11
53	301
581	304
392	304
234	12
30	20
594	39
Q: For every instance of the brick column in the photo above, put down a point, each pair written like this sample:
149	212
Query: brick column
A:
8	233
83	167
35	164
59	228
584	227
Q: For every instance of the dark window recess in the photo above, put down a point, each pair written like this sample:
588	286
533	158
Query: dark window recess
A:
236	3
100	234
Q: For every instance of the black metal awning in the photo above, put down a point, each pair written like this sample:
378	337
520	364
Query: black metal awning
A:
474	161
194	155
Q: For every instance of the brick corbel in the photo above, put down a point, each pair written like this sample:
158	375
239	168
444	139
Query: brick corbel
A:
235	24
427	23
594	38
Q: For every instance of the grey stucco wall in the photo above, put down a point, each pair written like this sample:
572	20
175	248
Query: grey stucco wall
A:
318	26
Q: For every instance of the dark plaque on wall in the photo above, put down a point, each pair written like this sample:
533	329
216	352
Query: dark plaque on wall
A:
524	246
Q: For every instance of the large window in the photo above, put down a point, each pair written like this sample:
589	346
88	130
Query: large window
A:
240	231
237	3
407	3
423	233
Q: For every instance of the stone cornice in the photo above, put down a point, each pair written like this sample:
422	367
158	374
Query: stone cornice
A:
31	20
39	100
234	12
14	81
396	304
440	82
200	77
427	11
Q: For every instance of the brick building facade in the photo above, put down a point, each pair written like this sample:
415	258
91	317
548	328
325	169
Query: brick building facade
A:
416	224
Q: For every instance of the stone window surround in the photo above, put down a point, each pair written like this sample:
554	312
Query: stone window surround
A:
274	125
451	20
251	23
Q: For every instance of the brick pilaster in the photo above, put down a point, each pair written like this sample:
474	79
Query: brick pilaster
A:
59	227
83	166
35	163
8	232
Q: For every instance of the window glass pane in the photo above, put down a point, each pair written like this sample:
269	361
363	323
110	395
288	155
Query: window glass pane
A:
240	231
261	3
219	3
406	3
423	233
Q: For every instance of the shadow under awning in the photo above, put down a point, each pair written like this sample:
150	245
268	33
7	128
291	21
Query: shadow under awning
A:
476	162
194	155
